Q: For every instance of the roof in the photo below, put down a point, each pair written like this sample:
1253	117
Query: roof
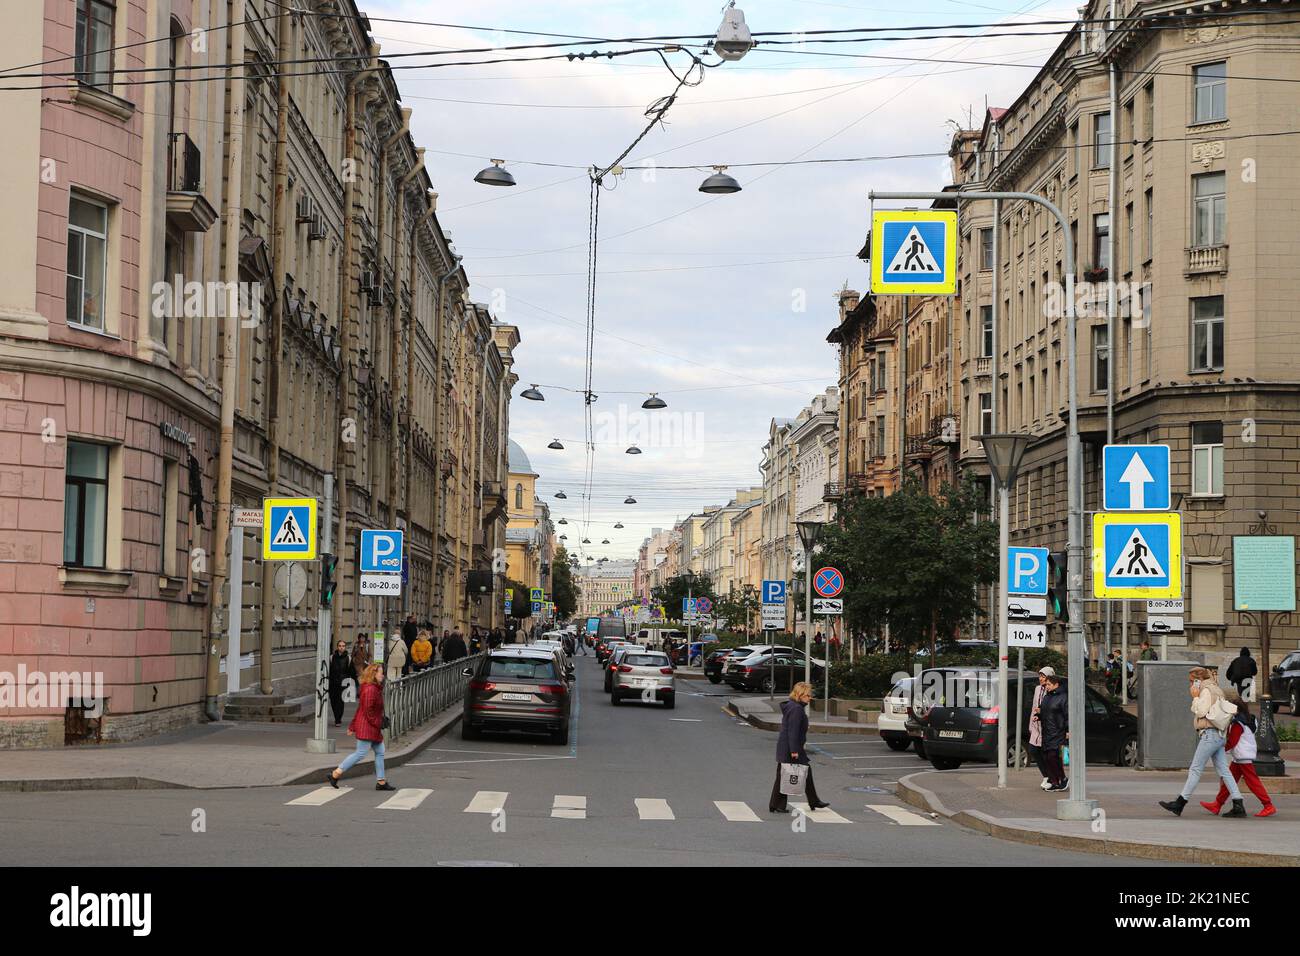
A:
518	461
522	650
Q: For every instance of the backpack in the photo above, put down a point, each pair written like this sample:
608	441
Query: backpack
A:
1246	748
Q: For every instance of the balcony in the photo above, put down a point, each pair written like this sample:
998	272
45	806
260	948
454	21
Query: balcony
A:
984	365
832	491
1204	260
187	209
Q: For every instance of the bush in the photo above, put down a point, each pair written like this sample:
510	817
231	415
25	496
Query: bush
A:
873	675
1288	732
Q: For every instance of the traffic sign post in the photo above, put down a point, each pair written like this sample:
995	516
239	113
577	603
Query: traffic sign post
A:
288	529
828	582
320	741
913	252
1137	555
1135	478
1027	571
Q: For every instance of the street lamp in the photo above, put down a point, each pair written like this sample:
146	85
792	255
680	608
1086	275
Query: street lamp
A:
809	532
629	500
496	175
532	394
1004	453
654	401
556	446
633	450
719	183
561	494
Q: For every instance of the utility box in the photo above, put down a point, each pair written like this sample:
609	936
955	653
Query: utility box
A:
1166	738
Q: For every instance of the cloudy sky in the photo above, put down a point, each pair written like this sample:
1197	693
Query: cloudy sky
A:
721	304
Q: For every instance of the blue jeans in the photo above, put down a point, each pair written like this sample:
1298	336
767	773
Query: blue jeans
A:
1210	746
363	748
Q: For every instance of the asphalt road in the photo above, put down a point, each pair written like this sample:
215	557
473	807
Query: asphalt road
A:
637	785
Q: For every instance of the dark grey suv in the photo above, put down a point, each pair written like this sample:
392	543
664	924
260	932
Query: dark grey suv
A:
517	688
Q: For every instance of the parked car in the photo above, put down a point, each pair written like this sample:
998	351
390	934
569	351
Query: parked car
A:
517	688
605	647
771	673
716	661
641	674
988	648
1284	682
612	662
892	722
737	662
966	729
561	656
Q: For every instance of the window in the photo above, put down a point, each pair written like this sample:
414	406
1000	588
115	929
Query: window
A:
880	436
1146	327
85	505
1207	458
1207	593
94	42
1100	357
1128	132
986	331
519	497
1209	209
1130	256
986	250
1101	241
1075	160
170	512
1101	137
882	383
87	241
1207	334
1151	222
1210	92
986	413
1149	105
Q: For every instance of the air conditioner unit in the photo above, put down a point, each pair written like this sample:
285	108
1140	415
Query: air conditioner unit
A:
367	280
306	208
316	229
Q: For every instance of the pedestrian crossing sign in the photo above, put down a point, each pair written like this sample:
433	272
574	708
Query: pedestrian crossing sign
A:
1137	556
914	252
288	529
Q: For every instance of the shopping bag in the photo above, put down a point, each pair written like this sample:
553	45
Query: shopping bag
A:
1065	756
794	779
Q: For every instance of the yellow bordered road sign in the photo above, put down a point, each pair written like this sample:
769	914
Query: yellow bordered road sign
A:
1137	555
914	252
288	529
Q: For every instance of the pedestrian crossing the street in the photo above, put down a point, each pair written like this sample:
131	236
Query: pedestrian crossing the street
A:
576	807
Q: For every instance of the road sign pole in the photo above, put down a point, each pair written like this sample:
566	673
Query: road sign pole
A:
321	742
1004	545
1020	709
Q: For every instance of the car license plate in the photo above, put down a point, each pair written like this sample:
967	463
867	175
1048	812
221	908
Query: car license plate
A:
524	698
952	733
643	683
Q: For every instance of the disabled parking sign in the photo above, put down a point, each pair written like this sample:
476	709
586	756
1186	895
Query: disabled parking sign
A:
1026	570
1137	555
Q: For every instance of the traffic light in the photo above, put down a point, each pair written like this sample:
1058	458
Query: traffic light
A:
327	564
1058	588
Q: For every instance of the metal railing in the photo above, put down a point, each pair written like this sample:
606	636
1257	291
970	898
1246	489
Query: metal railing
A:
186	164
411	700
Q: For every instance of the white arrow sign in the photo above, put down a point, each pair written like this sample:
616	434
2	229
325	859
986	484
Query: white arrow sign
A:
1137	477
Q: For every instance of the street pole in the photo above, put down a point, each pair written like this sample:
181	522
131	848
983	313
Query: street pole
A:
1004	543
235	620
1077	807
321	742
1020	710
807	614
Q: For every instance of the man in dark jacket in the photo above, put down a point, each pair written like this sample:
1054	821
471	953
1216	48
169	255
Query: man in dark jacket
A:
1241	670
339	673
1054	713
410	631
791	747
453	649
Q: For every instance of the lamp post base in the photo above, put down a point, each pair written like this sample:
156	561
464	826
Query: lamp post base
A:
1075	809
325	746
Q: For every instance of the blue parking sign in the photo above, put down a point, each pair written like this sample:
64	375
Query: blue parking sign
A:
773	592
381	552
1026	570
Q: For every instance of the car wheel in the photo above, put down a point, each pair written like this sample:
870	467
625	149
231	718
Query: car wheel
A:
715	679
560	737
670	703
944	763
919	746
766	685
900	745
1011	755
1128	752
614	698
467	732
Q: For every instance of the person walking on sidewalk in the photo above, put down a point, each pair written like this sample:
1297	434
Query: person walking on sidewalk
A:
1242	748
1242	669
360	655
410	631
791	744
1212	715
368	727
1054	712
453	649
1036	724
397	659
340	671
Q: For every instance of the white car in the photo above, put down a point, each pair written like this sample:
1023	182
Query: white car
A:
643	675
892	722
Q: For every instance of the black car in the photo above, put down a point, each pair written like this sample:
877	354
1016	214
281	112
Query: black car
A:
1284	682
517	688
772	673
958	717
716	662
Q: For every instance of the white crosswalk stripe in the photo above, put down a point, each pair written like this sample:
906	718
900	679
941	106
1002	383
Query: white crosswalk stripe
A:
318	797
487	801
825	815
648	808
569	808
906	818
406	798
737	811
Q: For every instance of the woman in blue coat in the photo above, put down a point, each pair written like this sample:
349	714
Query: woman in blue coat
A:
791	746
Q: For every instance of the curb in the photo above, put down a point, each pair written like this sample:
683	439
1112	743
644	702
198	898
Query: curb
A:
861	730
410	747
912	793
69	784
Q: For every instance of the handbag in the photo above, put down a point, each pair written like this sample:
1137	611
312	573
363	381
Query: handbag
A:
794	779
385	724
1065	755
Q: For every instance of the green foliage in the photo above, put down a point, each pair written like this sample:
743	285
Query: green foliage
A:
564	592
673	591
912	560
1287	731
520	605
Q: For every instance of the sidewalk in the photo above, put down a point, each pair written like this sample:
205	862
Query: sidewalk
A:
207	756
1133	824
766	715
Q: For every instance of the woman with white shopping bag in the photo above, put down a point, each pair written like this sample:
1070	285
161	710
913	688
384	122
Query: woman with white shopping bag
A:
793	770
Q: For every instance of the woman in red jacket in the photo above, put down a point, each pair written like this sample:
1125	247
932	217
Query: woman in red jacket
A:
368	727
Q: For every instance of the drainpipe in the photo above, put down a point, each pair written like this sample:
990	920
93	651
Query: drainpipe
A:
439	398
995	363
279	253
229	364
347	323
394	351
410	384
1111	302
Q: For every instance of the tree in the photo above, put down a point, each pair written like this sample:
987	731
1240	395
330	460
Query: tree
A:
564	592
673	592
913	560
521	604
737	608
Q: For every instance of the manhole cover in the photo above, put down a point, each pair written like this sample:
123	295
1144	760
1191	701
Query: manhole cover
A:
866	790
474	863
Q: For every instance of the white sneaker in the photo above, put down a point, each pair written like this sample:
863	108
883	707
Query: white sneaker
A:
1045	785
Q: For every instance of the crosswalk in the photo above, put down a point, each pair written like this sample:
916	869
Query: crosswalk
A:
575	807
